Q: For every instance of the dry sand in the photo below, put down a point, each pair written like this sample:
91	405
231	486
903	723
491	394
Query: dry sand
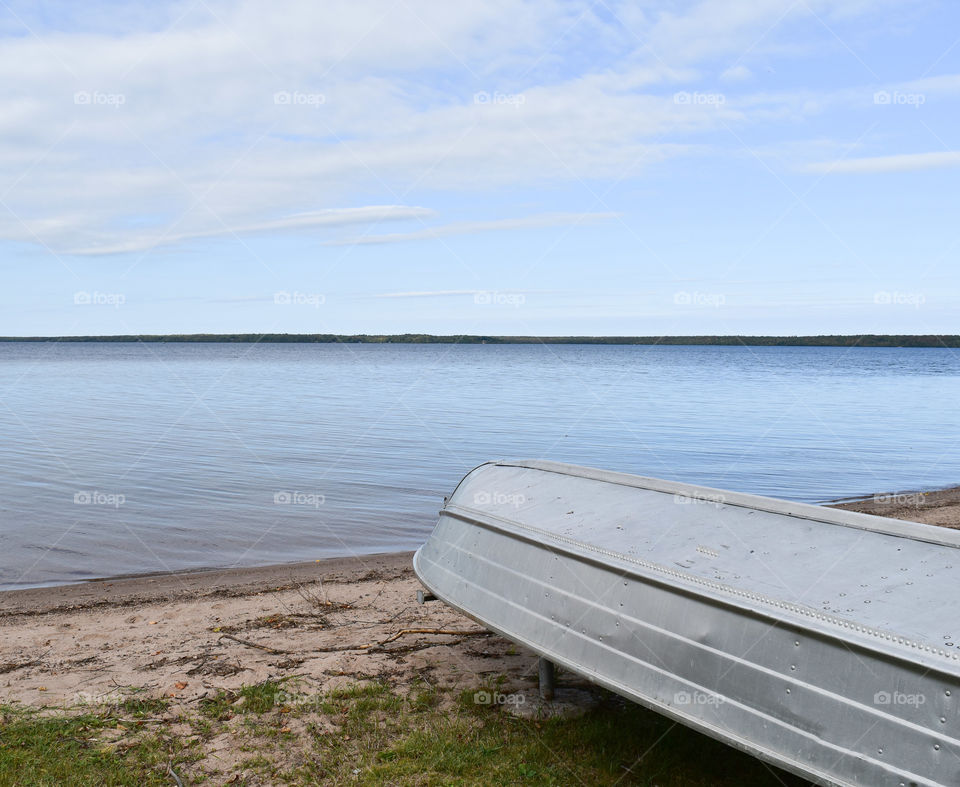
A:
183	636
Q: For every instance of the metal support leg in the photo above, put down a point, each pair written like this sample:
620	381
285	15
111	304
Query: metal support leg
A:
546	680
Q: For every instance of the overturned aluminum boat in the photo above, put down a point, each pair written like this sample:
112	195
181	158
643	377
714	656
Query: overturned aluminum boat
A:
826	642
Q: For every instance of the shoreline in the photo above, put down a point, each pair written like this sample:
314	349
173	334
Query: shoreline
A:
174	586
836	502
939	507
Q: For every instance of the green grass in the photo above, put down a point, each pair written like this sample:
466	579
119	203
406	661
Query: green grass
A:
139	708
73	749
365	734
257	698
616	744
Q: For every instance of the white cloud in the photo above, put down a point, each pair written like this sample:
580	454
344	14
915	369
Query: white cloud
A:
473	227
904	162
119	137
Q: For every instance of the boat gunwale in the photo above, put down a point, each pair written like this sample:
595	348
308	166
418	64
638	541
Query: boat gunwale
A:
899	528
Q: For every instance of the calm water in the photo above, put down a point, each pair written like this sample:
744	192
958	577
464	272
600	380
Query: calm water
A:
123	458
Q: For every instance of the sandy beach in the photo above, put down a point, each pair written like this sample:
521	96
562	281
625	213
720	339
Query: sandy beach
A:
183	635
187	638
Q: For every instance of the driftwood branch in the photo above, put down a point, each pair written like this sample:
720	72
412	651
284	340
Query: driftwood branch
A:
250	644
403	632
368	647
376	645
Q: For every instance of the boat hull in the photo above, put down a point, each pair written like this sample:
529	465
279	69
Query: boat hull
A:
814	697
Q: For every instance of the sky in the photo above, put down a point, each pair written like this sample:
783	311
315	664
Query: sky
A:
506	167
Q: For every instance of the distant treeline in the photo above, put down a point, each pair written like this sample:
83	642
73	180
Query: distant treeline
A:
863	340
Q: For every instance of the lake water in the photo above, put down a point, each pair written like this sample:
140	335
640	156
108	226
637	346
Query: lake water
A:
126	458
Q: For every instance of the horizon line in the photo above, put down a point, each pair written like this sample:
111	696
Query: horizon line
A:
947	341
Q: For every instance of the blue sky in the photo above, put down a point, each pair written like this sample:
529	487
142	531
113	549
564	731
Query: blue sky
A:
724	166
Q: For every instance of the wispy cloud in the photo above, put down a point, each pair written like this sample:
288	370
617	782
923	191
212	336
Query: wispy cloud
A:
459	293
473	227
316	219
904	162
426	294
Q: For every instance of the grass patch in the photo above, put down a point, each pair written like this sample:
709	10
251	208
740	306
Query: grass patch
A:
619	743
367	734
82	749
421	739
256	698
218	707
141	708
261	697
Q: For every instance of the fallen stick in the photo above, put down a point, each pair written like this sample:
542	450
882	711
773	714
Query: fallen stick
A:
371	646
173	773
391	638
143	721
250	644
428	631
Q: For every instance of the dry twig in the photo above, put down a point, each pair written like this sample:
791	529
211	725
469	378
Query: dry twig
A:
250	644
